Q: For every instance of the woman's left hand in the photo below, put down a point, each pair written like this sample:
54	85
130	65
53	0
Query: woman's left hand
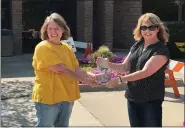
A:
112	83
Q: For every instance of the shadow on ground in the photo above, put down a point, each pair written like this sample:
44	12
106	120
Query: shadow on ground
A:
171	95
17	66
173	99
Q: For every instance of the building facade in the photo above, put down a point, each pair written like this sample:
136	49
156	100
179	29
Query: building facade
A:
109	22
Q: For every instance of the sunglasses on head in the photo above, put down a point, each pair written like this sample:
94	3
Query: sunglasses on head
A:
151	28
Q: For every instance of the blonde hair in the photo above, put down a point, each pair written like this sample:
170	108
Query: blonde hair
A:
152	19
58	20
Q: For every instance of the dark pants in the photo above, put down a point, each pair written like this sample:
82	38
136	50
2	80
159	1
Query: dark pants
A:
145	114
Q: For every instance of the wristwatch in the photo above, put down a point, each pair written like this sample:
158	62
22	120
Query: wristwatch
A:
119	80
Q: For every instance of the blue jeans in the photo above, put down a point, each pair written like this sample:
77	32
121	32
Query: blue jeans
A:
56	115
145	114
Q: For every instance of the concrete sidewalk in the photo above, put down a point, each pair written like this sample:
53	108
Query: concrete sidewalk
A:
97	107
110	108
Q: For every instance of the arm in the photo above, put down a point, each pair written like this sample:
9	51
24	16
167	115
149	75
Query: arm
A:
151	66
61	68
123	67
44	55
82	72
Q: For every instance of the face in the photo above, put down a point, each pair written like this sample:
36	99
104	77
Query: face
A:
149	31
54	31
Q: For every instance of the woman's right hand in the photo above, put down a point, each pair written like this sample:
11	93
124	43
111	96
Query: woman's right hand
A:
102	62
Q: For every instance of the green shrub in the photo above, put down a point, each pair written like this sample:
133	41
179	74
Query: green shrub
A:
103	51
177	32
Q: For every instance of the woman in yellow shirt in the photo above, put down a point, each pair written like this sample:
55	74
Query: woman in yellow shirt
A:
57	74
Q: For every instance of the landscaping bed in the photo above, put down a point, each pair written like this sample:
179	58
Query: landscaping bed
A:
89	63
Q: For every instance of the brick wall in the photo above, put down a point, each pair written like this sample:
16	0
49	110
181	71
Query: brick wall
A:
84	20
126	14
113	23
104	22
80	21
17	26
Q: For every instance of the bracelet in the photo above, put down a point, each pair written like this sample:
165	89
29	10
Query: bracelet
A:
119	80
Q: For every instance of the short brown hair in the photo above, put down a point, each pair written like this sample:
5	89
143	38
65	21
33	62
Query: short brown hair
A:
152	19
58	19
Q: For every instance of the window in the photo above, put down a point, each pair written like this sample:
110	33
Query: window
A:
167	10
183	12
5	14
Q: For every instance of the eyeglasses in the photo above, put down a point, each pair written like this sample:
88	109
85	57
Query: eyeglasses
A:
151	28
55	29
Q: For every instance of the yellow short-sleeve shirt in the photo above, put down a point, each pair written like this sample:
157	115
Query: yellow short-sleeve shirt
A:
50	87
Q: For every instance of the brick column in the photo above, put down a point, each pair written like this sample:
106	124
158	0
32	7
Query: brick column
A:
104	22
108	22
84	20
17	26
126	14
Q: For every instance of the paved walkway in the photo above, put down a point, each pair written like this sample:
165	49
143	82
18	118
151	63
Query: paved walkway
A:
97	107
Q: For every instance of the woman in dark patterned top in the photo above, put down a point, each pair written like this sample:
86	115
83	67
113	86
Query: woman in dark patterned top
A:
146	63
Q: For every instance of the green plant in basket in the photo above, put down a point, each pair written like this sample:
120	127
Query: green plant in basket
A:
103	51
